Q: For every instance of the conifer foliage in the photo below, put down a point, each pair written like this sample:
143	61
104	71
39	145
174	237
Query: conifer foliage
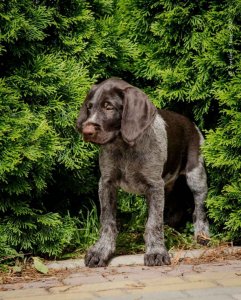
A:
189	61
184	54
44	79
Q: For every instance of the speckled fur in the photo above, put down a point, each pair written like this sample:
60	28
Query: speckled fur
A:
166	146
137	169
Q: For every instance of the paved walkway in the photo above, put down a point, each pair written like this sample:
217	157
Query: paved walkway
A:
124	279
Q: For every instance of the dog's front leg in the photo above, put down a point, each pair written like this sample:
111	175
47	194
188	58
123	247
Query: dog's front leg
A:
156	253
99	254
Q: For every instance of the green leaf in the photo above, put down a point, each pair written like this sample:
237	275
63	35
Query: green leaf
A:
40	266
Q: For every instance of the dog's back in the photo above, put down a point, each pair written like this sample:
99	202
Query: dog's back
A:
183	144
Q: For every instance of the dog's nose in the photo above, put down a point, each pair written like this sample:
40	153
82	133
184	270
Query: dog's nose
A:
89	130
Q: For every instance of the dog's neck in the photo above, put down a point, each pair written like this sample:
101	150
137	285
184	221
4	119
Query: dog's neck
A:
154	134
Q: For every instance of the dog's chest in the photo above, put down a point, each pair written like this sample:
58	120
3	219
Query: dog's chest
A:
136	171
136	168
130	174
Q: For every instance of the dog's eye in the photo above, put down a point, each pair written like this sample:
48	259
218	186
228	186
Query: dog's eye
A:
108	106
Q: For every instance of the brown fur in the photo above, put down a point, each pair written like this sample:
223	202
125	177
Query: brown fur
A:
143	151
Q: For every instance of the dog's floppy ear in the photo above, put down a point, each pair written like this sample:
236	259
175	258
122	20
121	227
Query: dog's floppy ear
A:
138	114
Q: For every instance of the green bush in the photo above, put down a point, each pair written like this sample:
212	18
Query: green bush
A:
222	151
44	164
185	55
188	60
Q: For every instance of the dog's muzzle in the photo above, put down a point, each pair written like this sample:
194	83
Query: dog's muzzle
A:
90	132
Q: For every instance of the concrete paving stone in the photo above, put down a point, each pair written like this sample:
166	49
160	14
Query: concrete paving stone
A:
212	297
103	283
218	291
133	273
153	276
210	276
163	295
24	293
177	287
226	265
112	294
168	296
59	289
43	283
153	296
140	272
129	260
235	281
78	280
70	290
105	286
66	264
163	281
117	297
83	296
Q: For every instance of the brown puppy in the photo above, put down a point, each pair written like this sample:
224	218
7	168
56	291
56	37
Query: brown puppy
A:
143	151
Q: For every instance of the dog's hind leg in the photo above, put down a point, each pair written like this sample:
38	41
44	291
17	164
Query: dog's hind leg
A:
197	182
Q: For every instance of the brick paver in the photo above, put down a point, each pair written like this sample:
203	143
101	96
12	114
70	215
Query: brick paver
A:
210	281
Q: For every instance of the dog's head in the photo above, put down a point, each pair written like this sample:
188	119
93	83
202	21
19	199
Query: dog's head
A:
115	107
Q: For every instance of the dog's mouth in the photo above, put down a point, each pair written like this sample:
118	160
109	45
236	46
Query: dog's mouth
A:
96	135
91	139
97	139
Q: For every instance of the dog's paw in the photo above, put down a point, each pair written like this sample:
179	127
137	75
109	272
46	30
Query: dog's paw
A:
201	232
95	259
157	258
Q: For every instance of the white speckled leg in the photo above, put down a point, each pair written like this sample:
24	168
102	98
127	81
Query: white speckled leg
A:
197	182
